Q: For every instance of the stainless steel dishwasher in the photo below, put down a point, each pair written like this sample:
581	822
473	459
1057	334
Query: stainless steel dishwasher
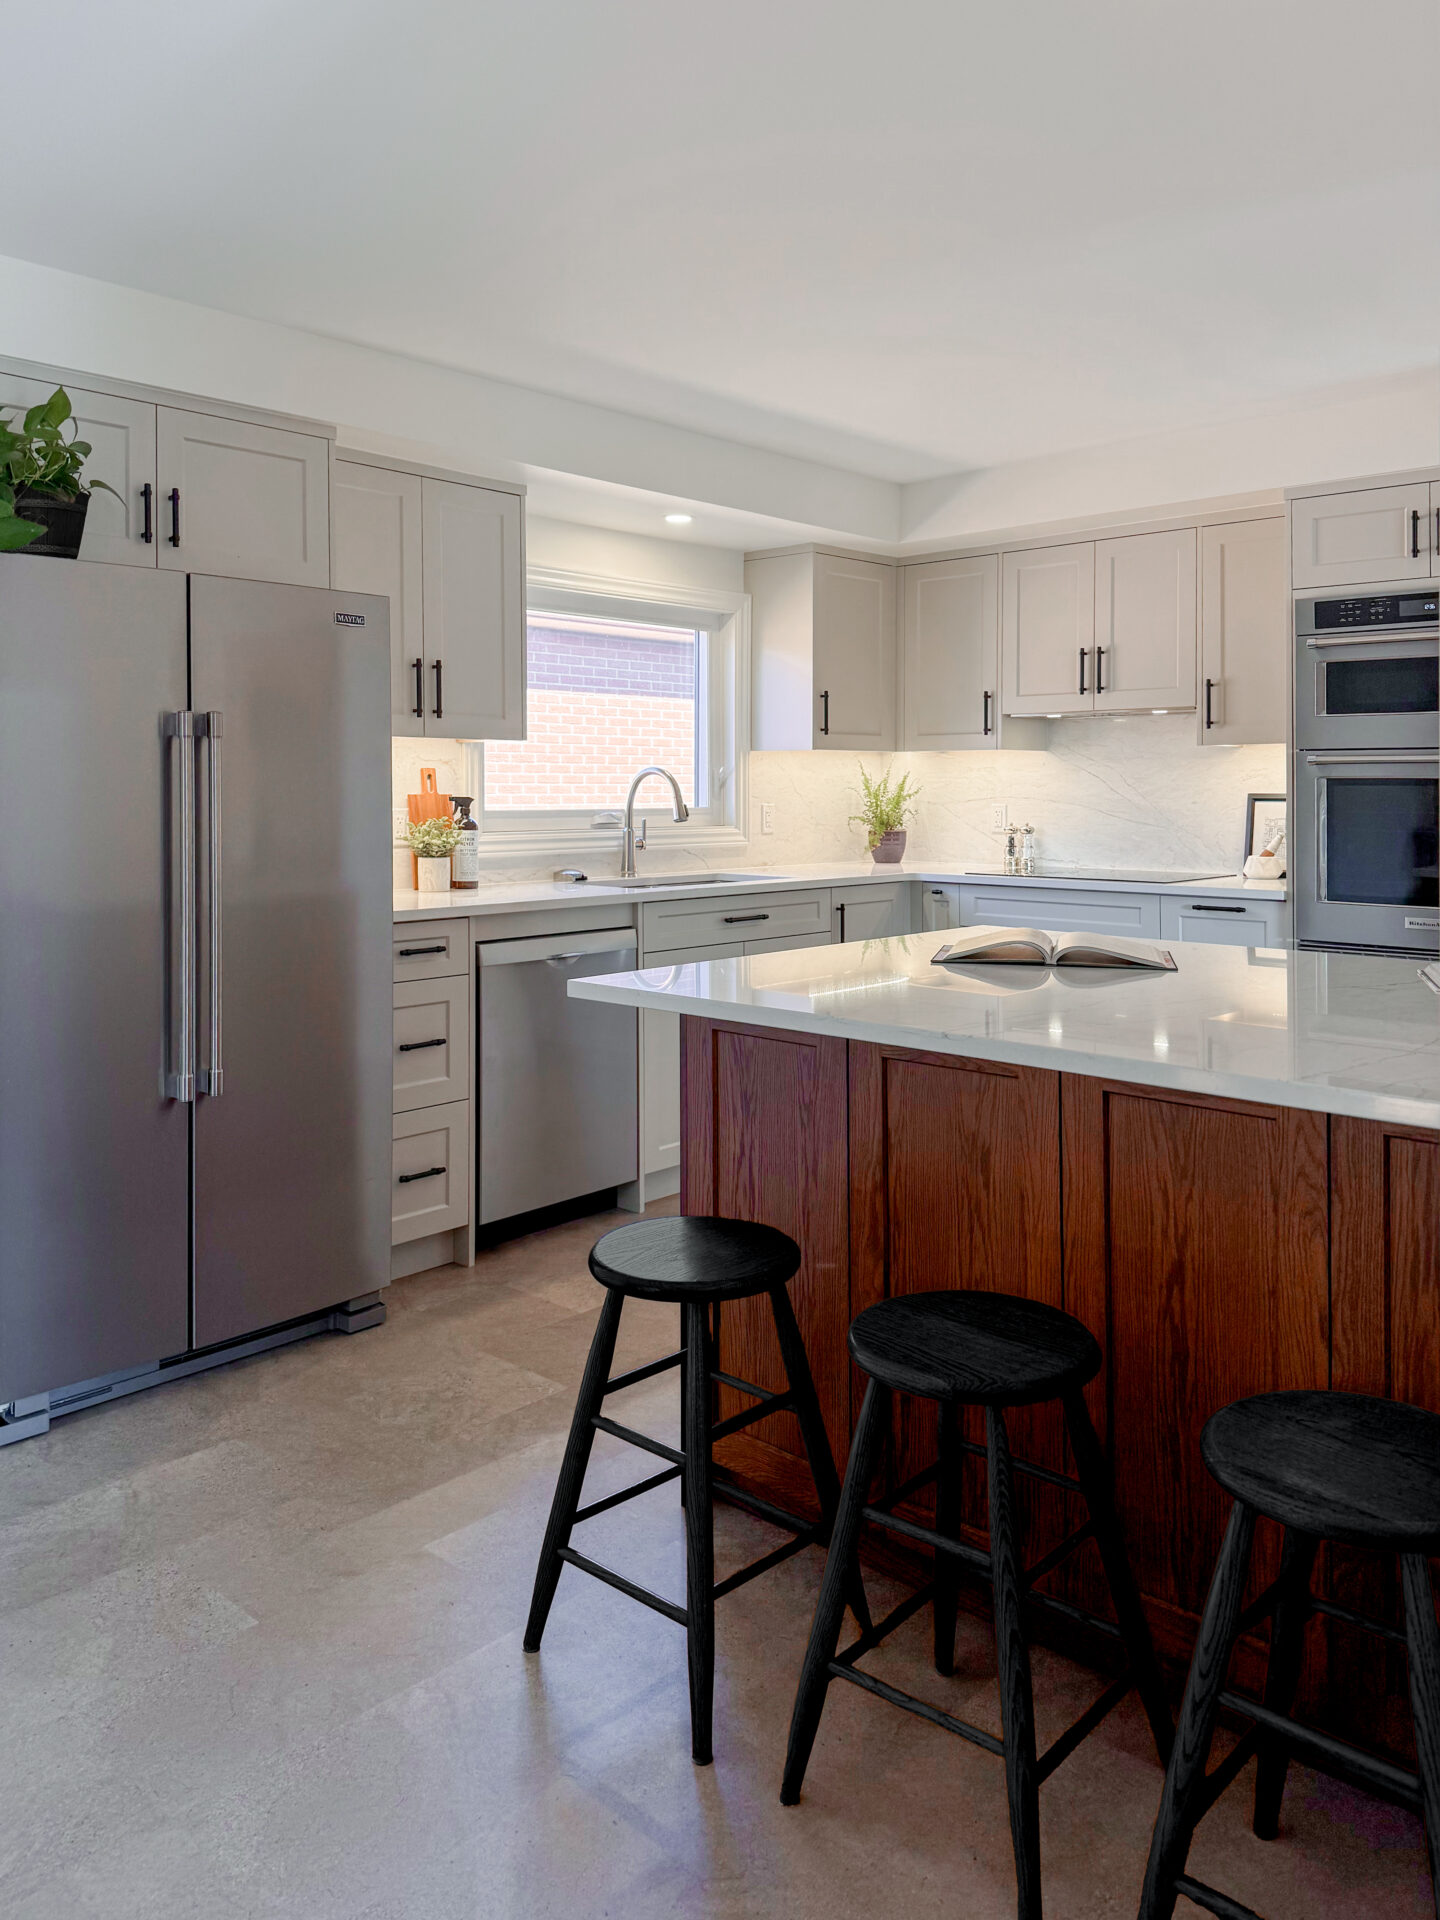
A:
559	1097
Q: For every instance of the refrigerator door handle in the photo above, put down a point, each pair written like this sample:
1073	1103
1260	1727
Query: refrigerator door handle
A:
180	1066
212	1077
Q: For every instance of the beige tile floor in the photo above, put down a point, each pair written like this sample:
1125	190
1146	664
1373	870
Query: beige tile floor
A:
261	1657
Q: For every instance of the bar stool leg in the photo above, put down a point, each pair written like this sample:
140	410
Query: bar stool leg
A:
1422	1642
1017	1710
566	1503
1182	1801
684	1403
949	1517
830	1612
801	1383
1282	1675
699	1538
1093	1472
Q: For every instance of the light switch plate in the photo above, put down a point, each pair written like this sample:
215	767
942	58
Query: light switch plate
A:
999	816
767	816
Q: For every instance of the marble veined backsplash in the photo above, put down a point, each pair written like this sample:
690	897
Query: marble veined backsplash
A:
1133	791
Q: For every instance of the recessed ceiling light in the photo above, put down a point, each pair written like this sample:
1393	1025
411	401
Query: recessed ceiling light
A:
678	519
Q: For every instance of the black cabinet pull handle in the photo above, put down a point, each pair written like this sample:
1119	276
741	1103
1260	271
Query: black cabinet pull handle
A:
825	711
1099	670
1414	533
1084	656
986	726
405	953
740	919
147	497
174	516
1437	531
1209	697
842	923
404	1179
418	1046
1197	906
418	669
439	691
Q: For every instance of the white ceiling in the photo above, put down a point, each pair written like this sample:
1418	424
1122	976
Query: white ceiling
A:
906	240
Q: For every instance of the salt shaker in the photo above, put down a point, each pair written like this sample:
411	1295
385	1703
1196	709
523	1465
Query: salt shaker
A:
1027	850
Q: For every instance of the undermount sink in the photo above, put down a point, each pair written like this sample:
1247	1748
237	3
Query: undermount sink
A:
676	879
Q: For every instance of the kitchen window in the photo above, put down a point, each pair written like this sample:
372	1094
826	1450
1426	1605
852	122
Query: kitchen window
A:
618	679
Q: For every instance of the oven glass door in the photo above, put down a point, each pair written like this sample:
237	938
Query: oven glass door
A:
1368	866
1351	692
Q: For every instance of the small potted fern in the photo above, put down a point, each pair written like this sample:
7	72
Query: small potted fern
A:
43	496
432	842
884	809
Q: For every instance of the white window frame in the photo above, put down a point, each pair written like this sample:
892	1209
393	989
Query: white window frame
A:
718	819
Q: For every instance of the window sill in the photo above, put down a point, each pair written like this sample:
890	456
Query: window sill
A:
592	844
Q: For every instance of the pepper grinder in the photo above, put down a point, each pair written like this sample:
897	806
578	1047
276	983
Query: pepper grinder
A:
1027	850
1012	851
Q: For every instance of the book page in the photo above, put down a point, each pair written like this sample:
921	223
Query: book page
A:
1111	950
1003	946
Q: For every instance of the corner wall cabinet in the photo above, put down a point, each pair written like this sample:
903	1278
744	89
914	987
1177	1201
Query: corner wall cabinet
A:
450	553
823	650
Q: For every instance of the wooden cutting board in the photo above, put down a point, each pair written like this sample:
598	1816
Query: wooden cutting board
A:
428	804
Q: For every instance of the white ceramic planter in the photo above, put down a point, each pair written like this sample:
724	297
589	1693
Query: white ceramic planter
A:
433	876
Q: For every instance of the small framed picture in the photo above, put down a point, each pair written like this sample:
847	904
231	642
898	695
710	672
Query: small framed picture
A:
1264	824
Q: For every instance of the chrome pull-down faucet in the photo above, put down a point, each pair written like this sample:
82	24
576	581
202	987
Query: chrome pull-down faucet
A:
629	845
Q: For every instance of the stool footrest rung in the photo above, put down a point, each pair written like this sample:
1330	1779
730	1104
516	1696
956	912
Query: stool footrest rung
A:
1047	1474
637	1374
873	1635
642	1440
1080	1615
942	1543
724	1488
739	1385
785	1551
935	1715
912	1485
622	1585
1260	1608
1048	1562
626	1493
737	1423
1060	1749
1330	1753
1213	1901
1329	1607
1219	1778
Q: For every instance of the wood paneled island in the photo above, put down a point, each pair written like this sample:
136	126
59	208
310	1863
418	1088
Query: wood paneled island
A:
1231	1174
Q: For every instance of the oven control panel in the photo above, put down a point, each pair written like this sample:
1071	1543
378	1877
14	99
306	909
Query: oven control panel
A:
1377	610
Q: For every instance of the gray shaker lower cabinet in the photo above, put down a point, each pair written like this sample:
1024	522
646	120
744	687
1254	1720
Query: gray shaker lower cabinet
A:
1231	923
1060	909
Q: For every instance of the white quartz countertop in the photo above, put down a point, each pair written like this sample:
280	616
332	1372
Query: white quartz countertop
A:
1336	1033
497	897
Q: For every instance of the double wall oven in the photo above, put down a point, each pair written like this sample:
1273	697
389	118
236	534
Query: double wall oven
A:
1367	771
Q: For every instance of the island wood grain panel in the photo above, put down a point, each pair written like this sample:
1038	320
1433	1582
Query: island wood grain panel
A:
1385	1275
765	1139
1196	1236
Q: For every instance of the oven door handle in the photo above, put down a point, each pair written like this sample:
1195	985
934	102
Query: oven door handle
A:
1387	638
1378	759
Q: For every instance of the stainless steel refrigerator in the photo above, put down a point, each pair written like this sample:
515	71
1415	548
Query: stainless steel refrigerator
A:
194	972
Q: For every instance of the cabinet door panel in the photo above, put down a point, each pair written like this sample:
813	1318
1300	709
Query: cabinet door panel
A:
1061	909
122	434
426	1011
871	913
1047	604
952	654
1244	690
854	652
430	1175
1231	923
474	597
1346	539
254	501
377	550
1145	605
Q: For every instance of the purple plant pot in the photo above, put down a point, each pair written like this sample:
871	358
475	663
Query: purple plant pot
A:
890	850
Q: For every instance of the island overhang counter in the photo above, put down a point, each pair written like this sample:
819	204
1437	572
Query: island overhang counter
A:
1230	1173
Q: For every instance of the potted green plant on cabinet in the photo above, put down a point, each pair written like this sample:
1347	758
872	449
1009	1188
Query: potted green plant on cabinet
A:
43	496
432	842
884	809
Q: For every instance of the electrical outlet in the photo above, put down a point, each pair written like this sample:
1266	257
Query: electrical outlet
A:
767	816
400	820
999	816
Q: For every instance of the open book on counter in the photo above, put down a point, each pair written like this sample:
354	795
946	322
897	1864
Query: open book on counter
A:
1028	947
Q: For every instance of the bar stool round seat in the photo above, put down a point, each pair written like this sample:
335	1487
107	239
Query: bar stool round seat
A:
694	1256
1342	1466
985	1349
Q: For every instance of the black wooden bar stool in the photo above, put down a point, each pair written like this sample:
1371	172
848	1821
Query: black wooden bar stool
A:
995	1351
697	1263
1327	1466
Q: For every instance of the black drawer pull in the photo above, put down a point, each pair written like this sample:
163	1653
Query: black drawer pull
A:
404	1179
418	1046
408	953
1197	907
742	919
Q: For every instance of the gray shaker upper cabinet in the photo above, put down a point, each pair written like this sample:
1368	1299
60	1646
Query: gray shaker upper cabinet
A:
1145	622
1244	696
242	499
1047	610
121	433
377	544
823	650
1366	534
950	657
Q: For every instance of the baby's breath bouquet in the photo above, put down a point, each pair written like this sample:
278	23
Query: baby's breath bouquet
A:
432	839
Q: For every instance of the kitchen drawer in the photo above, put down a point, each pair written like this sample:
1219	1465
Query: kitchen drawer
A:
760	916
1233	923
430	1173
431	949
1061	910
427	1012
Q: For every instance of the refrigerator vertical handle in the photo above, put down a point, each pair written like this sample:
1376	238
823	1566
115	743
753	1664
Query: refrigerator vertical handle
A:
180	1066
211	1074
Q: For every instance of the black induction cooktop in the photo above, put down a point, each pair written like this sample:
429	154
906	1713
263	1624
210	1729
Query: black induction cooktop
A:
1154	876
